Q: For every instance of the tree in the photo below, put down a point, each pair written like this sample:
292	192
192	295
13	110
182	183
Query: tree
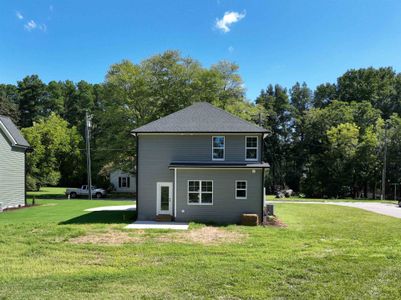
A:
56	146
32	97
276	104
324	95
377	86
334	169
300	103
8	108
55	101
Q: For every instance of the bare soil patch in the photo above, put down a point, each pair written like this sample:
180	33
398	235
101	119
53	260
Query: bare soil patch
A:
206	236
107	238
273	221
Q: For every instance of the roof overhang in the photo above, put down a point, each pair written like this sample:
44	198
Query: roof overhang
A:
134	133
217	165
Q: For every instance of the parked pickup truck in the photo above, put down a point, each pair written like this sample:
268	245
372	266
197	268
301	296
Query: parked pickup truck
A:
83	191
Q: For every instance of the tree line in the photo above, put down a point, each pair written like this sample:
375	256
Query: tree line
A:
328	142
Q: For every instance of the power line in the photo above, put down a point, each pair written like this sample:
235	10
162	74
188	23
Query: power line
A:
110	149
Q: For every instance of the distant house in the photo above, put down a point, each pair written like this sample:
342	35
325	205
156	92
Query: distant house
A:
200	164
123	182
13	148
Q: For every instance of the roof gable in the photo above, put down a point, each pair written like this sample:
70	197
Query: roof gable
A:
12	132
200	117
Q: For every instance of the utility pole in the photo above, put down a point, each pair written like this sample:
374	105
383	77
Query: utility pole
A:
383	195
88	126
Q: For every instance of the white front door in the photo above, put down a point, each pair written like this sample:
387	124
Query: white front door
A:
164	198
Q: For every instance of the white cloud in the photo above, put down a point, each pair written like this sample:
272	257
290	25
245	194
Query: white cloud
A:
229	18
19	15
30	25
231	49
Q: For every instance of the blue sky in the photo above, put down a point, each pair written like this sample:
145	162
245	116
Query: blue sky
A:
281	41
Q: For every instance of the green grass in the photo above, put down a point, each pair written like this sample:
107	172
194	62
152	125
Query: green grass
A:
59	193
325	252
296	198
48	193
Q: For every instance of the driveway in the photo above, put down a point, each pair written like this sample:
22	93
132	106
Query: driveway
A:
387	209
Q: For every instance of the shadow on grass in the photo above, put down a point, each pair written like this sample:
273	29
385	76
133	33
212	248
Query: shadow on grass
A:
103	217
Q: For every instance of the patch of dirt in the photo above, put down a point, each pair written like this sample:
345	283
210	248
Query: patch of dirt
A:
273	221
206	236
106	238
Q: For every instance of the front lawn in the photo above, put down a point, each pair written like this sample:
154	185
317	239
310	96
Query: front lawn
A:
57	250
272	198
59	193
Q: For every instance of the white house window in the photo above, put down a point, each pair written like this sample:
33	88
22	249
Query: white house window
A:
218	145
200	192
123	182
251	148
240	189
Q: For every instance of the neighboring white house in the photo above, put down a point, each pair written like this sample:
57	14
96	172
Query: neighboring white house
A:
13	148
123	181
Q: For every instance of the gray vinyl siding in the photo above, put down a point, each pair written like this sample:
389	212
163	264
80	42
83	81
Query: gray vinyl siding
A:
193	147
12	174
156	152
225	208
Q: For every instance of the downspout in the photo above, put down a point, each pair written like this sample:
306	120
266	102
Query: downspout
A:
263	175
25	170
137	174
175	193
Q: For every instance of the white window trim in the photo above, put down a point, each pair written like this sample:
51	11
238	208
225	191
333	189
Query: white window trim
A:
257	147
224	148
200	192
237	189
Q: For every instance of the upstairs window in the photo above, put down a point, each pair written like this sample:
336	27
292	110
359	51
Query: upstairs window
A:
200	192
240	189
251	148
218	147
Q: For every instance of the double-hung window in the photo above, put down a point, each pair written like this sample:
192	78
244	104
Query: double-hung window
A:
251	148
123	182
218	147
200	192
240	189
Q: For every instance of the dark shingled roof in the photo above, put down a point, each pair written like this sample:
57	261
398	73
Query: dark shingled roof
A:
200	117
14	132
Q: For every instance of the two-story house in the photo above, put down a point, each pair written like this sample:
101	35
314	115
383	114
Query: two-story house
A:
13	148
200	164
